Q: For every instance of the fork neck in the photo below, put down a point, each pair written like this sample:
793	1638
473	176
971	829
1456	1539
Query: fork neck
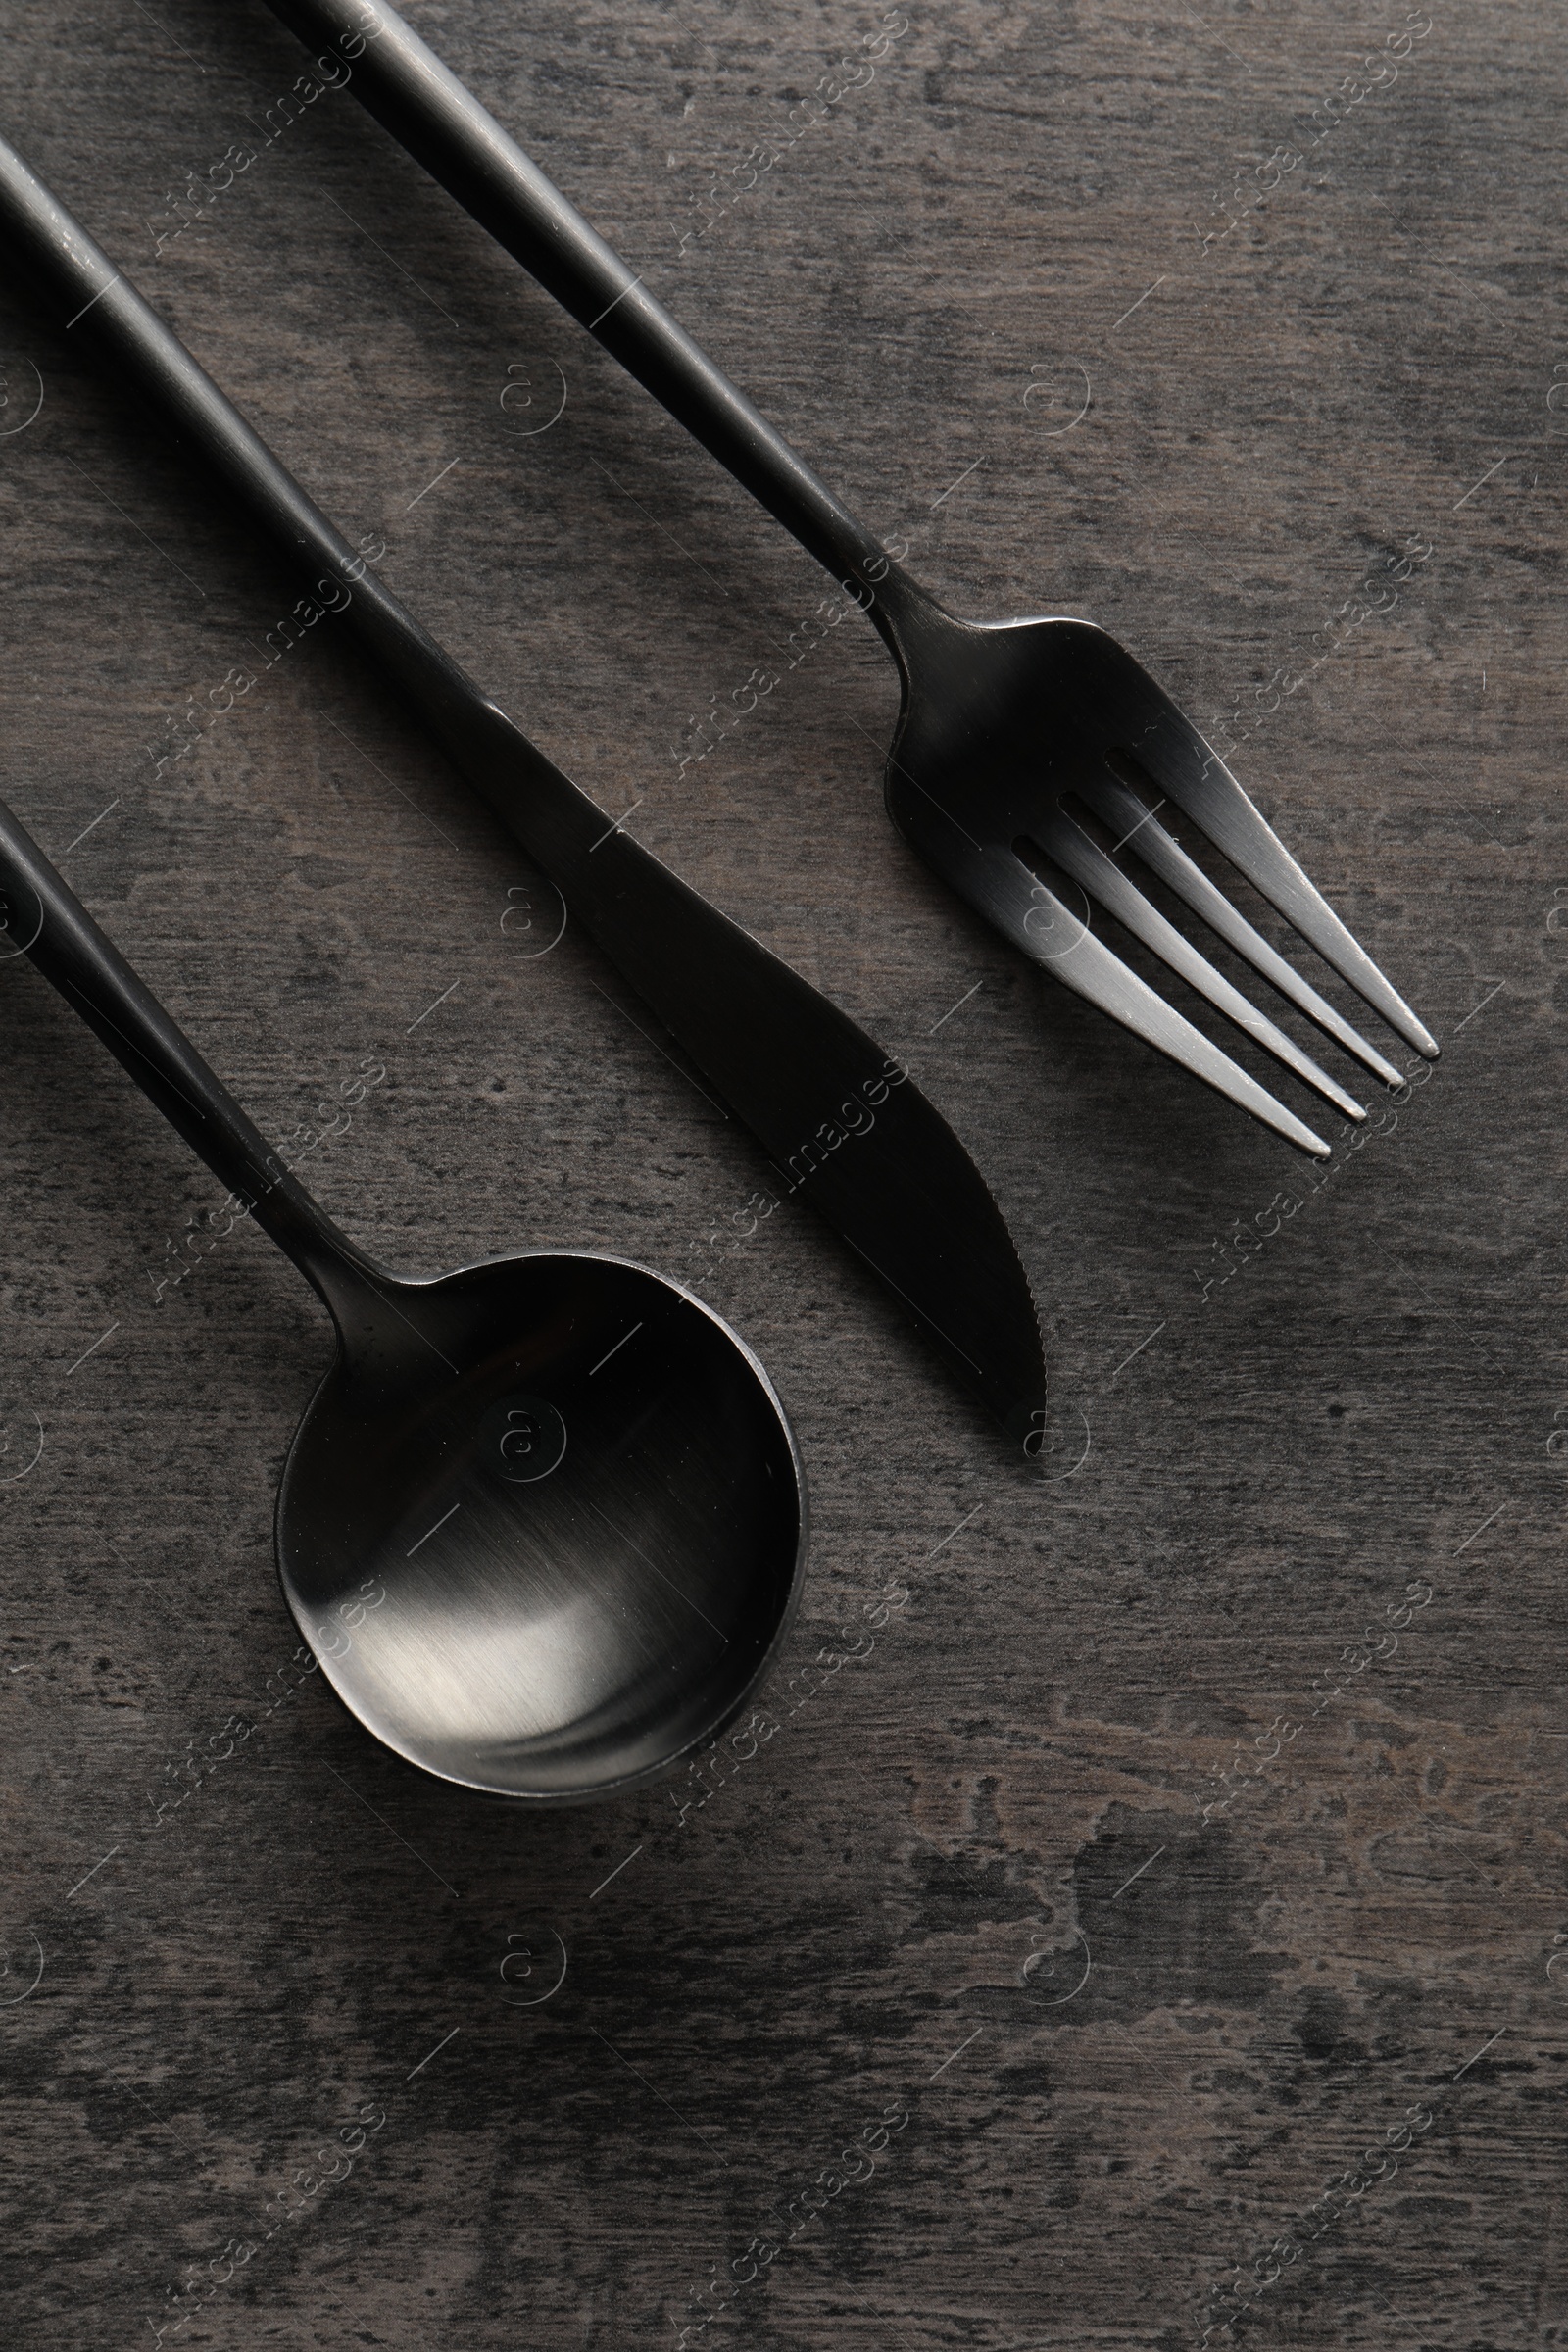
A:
902	612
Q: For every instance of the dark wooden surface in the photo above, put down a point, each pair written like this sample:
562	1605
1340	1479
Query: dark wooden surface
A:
1049	1873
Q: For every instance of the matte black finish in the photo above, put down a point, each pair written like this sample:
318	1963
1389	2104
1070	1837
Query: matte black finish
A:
849	1131
543	1522
999	721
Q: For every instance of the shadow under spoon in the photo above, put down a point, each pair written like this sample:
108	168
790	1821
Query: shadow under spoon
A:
543	1524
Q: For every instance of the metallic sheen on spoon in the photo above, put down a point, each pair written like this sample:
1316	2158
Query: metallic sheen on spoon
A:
544	1521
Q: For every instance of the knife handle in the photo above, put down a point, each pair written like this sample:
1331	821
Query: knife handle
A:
97	301
402	81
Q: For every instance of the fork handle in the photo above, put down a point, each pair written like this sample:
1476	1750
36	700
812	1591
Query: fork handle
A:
402	81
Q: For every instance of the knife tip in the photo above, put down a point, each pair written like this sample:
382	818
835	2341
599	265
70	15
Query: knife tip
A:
1023	1425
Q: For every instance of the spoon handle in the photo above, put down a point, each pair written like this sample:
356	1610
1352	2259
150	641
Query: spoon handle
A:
41	917
442	124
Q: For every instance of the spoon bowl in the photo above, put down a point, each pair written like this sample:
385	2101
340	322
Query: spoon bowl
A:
543	1524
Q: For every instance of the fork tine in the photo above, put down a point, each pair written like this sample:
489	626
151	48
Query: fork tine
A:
1127	815
1199	780
1093	971
1082	857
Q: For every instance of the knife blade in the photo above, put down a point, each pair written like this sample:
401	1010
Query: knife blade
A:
850	1134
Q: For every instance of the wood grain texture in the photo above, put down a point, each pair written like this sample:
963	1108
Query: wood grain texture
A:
1108	1869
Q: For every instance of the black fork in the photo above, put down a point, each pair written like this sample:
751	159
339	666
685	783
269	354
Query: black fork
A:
1008	731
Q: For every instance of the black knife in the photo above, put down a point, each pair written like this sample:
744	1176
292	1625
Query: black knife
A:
848	1130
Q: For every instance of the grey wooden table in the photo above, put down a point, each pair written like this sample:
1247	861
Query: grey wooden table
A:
1159	1927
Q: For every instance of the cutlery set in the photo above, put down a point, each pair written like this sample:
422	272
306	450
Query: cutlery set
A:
544	1523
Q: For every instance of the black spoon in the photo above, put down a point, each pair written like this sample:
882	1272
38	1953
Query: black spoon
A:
544	1521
